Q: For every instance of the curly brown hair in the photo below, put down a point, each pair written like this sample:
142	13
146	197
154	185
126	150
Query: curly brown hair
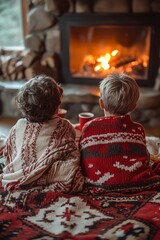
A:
39	98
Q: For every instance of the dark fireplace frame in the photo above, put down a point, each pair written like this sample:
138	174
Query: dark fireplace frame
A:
118	19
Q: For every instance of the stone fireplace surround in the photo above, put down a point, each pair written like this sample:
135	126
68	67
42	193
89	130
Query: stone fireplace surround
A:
43	47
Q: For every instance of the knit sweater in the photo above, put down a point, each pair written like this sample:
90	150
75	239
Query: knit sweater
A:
114	154
40	154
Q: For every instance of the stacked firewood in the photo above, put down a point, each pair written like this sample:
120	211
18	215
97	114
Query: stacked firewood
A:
24	65
42	43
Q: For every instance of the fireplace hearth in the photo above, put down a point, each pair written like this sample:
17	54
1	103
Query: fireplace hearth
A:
96	44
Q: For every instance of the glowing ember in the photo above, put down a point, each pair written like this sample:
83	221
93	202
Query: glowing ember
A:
98	66
104	61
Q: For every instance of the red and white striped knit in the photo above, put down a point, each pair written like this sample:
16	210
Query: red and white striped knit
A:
114	154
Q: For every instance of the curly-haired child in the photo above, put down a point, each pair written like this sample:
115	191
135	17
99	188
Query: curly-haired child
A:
41	149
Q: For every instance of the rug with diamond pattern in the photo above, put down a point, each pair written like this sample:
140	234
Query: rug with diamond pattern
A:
41	214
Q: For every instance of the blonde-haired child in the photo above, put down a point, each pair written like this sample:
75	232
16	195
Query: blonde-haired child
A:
113	149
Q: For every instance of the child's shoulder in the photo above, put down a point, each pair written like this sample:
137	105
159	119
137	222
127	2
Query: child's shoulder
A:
138	125
20	122
62	122
99	120
95	122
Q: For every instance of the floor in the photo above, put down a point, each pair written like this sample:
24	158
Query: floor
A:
7	122
150	131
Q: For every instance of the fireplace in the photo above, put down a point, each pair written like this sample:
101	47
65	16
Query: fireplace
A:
96	44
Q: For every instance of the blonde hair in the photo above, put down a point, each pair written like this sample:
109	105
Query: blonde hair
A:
119	93
39	98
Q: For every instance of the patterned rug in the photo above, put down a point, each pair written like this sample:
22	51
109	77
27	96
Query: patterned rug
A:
41	214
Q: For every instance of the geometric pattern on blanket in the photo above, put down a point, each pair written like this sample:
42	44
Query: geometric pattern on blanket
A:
42	214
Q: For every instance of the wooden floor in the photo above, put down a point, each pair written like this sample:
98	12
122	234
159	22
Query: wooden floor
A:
150	131
7	122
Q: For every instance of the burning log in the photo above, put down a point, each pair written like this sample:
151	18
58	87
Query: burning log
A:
98	66
138	69
124	61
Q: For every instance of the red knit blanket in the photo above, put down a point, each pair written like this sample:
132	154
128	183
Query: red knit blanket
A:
43	214
114	155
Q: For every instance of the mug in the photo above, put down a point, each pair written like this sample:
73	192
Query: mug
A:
84	117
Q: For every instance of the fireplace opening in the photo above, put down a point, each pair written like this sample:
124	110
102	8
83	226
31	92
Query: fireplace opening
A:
96	44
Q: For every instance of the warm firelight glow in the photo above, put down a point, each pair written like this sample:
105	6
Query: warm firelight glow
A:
104	61
114	53
98	66
89	59
145	61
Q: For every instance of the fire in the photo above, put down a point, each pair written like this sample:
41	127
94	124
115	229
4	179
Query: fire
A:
114	52
129	62
103	61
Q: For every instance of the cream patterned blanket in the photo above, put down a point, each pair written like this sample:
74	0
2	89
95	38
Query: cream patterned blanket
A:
39	154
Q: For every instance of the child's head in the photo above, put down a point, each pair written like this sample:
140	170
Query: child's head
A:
119	94
39	99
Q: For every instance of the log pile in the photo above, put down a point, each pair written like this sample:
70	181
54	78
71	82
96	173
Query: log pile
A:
42	44
25	65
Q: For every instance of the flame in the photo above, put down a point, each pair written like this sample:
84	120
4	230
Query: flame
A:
114	52
103	61
145	60
97	66
89	59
